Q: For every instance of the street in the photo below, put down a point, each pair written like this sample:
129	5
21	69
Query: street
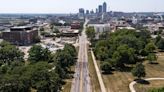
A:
81	81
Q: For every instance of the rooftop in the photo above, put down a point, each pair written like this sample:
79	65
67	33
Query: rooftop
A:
21	27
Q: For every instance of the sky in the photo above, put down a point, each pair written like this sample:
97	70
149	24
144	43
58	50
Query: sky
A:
72	6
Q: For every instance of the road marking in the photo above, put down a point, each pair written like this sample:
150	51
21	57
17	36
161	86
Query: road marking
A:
81	85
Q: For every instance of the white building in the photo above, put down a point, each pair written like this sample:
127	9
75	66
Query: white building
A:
134	20
99	28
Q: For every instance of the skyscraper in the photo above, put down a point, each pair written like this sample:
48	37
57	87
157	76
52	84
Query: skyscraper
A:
104	7
97	10
100	9
81	11
87	11
92	12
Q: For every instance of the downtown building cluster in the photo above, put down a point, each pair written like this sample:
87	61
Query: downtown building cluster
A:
101	9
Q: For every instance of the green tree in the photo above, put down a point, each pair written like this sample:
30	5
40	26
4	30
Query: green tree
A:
60	71
104	35
3	69
106	67
160	44
38	53
139	71
150	47
70	49
116	60
157	39
21	78
143	52
101	50
42	78
123	47
4	43
102	53
9	53
14	81
127	54
64	59
90	32
152	58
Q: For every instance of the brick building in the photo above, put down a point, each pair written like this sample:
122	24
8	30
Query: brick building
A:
75	25
22	35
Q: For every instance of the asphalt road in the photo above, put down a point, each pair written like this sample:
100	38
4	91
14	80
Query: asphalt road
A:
81	81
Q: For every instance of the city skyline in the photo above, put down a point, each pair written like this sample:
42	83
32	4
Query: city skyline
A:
49	6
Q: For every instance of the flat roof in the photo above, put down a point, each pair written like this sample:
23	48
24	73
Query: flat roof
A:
21	27
98	24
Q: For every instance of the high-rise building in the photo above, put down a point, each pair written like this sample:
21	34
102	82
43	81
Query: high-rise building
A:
97	10
92	12
100	8
104	7
87	11
81	11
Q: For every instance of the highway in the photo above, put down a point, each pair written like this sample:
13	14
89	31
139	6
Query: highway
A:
81	81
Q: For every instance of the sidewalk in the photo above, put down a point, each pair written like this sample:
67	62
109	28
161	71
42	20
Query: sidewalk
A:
102	86
131	85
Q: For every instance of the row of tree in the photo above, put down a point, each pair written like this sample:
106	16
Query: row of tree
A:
44	73
64	59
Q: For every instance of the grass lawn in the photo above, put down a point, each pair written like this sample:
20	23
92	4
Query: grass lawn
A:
119	81
146	88
93	76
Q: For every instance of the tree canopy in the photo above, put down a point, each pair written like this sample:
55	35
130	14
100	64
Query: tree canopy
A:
37	76
10	53
152	58
160	43
123	47
65	58
90	32
139	71
38	53
40	74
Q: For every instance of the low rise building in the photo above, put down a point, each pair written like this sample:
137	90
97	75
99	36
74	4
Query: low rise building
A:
69	32
100	28
22	35
125	27
75	25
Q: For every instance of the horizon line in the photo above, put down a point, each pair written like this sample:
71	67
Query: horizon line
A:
77	13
